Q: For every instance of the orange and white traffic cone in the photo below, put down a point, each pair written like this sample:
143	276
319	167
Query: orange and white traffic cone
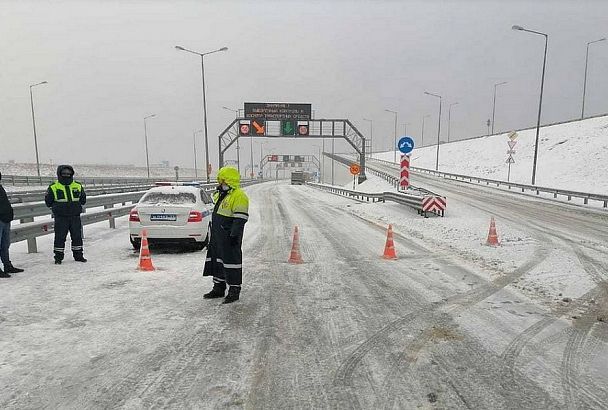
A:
492	235
145	260
389	248
295	256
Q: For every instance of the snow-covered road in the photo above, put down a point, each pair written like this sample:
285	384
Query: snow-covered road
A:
452	323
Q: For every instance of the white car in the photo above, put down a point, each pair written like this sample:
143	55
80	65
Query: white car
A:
172	214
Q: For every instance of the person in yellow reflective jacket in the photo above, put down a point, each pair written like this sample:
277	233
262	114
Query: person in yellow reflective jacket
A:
66	197
224	254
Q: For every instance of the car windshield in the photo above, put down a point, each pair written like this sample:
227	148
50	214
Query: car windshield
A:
174	198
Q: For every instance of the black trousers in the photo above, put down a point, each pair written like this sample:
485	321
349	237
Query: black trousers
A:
63	225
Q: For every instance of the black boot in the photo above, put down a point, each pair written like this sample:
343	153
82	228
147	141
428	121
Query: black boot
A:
78	257
217	291
6	275
58	258
233	294
9	268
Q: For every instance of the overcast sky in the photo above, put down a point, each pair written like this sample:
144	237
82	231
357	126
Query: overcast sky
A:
110	63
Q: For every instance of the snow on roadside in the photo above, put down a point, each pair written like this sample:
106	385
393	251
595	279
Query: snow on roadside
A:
571	156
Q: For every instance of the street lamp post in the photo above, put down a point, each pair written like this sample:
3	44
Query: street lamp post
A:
540	103
438	128
494	104
204	100
395	142
34	126
405	128
585	82
450	118
423	117
195	161
371	136
237	113
146	139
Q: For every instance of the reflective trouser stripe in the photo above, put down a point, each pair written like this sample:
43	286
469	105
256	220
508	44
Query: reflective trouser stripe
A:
218	280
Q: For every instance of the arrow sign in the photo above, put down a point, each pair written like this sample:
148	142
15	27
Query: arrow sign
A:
259	129
512	144
406	145
510	160
289	128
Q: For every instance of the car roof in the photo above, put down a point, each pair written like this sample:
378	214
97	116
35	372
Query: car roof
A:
173	189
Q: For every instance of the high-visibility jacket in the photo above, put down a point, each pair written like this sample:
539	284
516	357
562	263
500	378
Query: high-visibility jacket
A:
65	200
231	211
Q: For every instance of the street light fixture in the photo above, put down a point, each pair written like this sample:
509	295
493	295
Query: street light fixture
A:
585	82
438	127
237	113
494	104
146	139
34	126
540	103
395	143
450	118
371	136
202	55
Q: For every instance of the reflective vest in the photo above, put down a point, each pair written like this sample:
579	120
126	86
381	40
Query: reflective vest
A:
234	205
61	193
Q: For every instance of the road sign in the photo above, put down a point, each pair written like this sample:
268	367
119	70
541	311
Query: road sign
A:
278	111
355	169
404	178
273	158
406	145
298	158
288	127
285	158
303	128
512	135
258	126
510	151
512	144
244	127
510	160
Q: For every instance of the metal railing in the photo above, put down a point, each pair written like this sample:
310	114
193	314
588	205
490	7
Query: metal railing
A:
586	196
29	230
410	199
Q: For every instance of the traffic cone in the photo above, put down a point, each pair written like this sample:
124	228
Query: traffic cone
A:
389	248
145	260
492	235
295	256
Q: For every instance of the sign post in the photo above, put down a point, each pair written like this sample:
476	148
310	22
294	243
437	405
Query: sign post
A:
406	146
354	170
510	160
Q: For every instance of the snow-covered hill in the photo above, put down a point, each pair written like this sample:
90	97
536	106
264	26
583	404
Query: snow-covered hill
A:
571	156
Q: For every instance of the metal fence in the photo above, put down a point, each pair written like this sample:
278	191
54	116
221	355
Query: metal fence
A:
410	199
585	196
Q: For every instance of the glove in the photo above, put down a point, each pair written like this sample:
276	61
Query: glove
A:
234	240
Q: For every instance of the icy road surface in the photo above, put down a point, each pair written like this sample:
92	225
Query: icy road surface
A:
451	324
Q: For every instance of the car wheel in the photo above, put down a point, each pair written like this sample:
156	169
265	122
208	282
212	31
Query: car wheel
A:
136	243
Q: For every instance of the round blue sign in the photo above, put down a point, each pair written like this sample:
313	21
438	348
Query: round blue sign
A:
406	145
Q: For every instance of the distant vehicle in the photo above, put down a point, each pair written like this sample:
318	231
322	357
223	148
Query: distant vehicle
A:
300	177
172	214
297	178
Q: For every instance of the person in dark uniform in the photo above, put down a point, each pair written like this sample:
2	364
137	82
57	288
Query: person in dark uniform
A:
66	197
6	216
224	255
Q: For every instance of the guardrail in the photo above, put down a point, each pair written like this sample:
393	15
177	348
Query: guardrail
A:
38	195
29	230
411	200
27	180
586	196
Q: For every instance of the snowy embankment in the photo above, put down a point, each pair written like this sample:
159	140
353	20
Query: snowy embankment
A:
571	156
97	171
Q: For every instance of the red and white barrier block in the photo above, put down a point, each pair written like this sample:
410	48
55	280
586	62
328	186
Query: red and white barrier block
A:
404	177
435	204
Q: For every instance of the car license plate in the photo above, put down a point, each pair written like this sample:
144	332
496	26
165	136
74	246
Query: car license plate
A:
163	217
